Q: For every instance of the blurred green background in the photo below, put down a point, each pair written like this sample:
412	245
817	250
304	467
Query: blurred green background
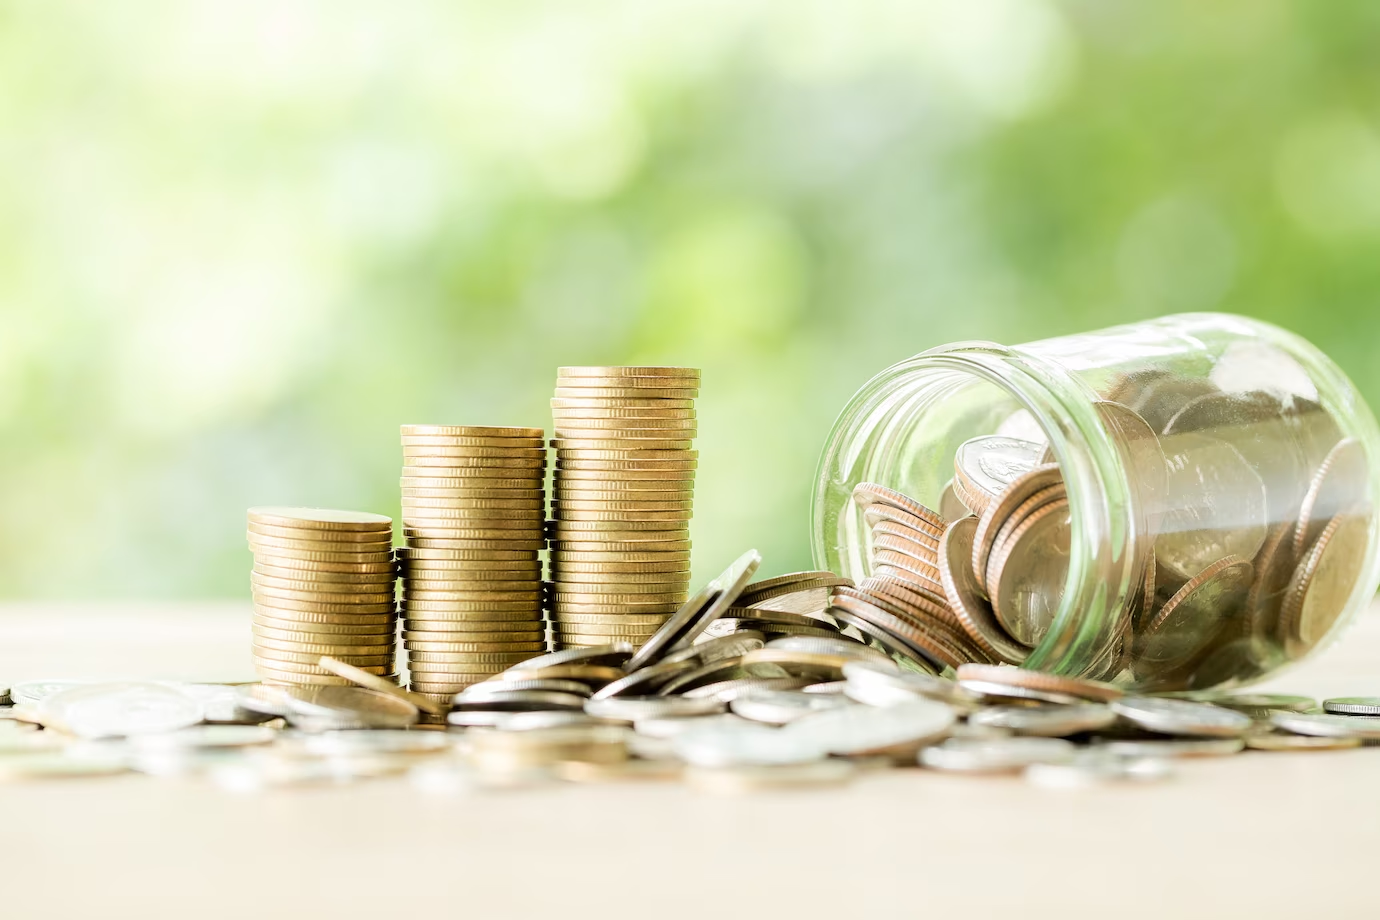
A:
243	241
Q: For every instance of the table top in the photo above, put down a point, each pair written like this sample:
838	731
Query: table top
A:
1260	834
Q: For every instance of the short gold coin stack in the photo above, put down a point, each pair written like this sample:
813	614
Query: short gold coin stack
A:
473	504
323	585
624	487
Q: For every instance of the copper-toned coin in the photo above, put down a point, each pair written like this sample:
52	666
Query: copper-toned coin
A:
1012	505
1026	574
1219	509
880	514
1340	479
1193	617
1274	567
868	494
907	568
1077	687
1140	449
930	642
951	507
911	592
966	597
1323	582
927	553
1005	528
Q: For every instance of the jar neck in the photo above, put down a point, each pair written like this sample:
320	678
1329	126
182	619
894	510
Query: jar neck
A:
1103	538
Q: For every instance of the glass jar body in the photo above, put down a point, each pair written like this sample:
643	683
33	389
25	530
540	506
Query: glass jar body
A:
1217	474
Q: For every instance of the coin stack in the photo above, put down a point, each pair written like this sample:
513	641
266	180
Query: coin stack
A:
624	483
473	510
322	585
904	598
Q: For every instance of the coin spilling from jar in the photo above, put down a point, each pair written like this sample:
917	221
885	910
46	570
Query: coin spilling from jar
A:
1247	523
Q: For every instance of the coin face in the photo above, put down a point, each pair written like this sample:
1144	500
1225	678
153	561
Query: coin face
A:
1198	612
1028	572
318	519
1335	488
966	597
1182	717
985	466
1323	582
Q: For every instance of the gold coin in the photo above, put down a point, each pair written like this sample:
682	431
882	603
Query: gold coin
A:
574	515
517	568
347	558
272	627
291	619
600	635
623	466
421	628
497	506
672	426
598	409
499	658
567	391
449	688
633	477
288	591
338	536
465	649
270	676
382	585
288	605
413	608
293	672
267	647
629	370
595	581
341	579
481	487
475	528
1323	582
468	431
561	608
481	548
276	655
560	508
271	544
426	440
342	568
413	554
608	619
430	574
625	530
623	490
314	642
382	685
565	570
587	402
414	452
617	557
320	519
420	619
427	466
471	581
524	498
571	549
625	448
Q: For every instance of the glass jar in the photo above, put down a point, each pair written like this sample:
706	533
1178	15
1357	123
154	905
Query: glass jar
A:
1210	519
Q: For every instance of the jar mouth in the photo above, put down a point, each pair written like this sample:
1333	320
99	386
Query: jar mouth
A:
868	444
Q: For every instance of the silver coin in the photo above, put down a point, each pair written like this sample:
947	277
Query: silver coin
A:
320	708
614	655
1328	725
729	690
220	704
727	745
990	464
119	709
1181	717
1046	721
645	680
378	741
1252	703
536	720
1353	705
34	691
1179	747
704	608
995	755
497	685
877	684
848	648
777	707
991	690
718	648
671	726
633	708
858	729
834	687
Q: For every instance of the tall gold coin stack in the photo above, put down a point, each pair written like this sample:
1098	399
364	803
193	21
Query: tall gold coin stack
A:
473	504
323	585
624	486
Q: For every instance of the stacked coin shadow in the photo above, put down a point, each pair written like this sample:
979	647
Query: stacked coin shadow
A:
322	584
623	495
473	502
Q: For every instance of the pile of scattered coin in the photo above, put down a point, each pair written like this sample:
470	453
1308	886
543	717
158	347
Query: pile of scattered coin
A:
473	504
323	585
731	712
621	508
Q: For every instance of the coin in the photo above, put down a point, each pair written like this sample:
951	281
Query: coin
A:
1197	612
985	466
1274	741
869	494
1025	493
1074	688
1323	582
682	462
1334	488
966	598
272	605
1027	574
317	519
368	579
321	632
1181	717
347	547
995	755
337	536
1353	705
1046	721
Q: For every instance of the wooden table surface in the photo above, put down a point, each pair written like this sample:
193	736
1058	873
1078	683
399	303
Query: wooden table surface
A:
1257	835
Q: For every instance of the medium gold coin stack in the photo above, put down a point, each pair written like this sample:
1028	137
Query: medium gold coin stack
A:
473	504
323	585
624	486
